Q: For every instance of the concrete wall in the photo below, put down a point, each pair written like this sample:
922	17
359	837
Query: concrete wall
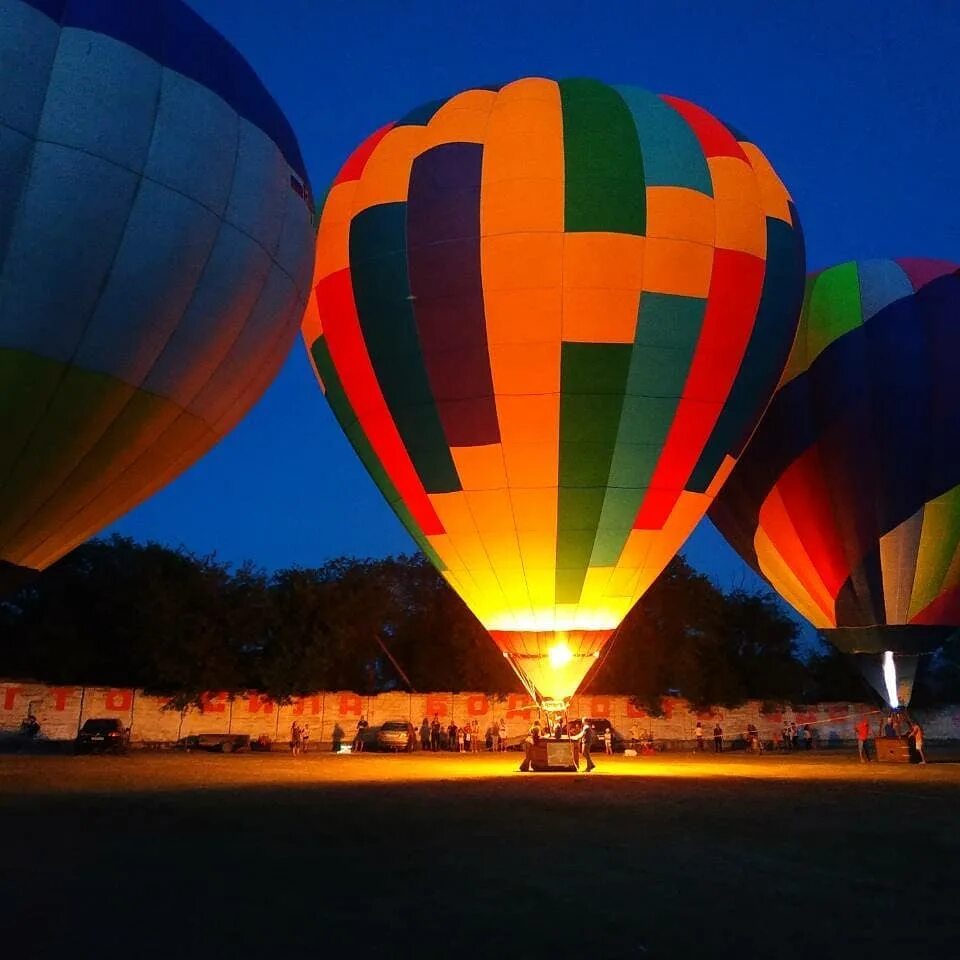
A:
62	710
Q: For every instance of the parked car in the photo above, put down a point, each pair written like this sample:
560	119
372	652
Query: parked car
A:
215	742
102	734
396	735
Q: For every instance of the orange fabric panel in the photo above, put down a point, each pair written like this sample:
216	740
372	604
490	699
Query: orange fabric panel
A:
678	267
453	511
521	369
679	213
741	224
532	464
386	177
602	279
523	166
492	511
462	119
524	316
778	528
528	419
333	235
774	196
522	261
778	571
603	261
481	467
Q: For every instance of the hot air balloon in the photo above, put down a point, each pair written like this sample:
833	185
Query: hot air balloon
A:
548	316
156	243
847	498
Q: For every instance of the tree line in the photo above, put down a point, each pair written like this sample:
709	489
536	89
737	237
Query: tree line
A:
115	612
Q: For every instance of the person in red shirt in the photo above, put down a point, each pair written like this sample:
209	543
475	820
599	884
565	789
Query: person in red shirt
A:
863	730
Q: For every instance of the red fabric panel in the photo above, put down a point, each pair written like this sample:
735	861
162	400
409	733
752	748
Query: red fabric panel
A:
734	297
803	487
341	327
944	610
715	139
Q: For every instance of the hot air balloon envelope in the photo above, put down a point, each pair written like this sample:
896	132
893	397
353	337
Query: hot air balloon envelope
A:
548	316
848	497
155	247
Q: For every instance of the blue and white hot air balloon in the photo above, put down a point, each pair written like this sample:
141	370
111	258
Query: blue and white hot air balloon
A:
156	249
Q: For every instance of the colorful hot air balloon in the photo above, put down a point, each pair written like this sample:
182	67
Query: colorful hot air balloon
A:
547	316
155	255
847	499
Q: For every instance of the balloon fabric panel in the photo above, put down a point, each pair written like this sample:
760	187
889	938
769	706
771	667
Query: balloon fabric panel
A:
531	308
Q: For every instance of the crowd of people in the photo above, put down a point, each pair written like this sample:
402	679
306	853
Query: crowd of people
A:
435	735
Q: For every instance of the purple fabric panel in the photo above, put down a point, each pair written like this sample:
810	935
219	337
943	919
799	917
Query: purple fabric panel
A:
443	255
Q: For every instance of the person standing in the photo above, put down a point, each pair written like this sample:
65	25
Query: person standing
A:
916	733
358	736
294	738
475	735
435	733
608	741
862	729
717	738
502	734
304	736
586	738
807	737
425	734
698	735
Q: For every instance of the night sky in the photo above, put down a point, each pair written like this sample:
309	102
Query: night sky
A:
856	104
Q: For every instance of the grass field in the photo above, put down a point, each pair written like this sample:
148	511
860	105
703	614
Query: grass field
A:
443	856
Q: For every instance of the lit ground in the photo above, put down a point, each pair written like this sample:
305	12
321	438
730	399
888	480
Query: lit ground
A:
449	856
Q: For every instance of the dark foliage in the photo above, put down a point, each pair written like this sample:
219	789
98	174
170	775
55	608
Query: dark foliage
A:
119	613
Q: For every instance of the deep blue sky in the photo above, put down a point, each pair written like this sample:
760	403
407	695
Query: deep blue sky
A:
857	104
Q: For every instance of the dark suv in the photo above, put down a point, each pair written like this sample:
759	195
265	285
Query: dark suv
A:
102	734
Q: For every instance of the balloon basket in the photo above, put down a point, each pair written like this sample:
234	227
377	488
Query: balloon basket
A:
553	756
893	749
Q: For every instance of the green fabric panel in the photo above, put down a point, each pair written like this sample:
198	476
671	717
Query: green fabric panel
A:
337	398
26	384
832	308
668	329
937	552
603	165
593	377
569	583
672	155
81	407
616	521
633	464
89	426
381	286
